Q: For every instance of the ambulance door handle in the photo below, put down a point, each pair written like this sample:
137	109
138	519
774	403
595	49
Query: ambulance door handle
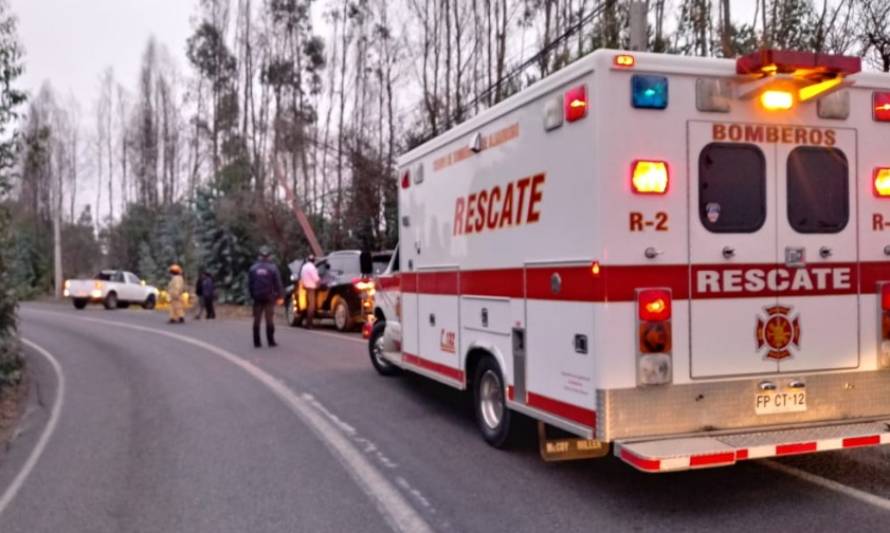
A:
652	253
728	252
825	252
767	385
797	384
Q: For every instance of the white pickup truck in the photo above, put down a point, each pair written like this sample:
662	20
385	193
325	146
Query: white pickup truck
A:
113	289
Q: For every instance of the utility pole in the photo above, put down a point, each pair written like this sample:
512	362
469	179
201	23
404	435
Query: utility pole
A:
638	37
57	240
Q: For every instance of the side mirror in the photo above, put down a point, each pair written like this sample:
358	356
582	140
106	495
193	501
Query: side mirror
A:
366	263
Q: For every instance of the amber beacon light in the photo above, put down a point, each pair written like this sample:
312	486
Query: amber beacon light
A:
777	100
882	182
649	177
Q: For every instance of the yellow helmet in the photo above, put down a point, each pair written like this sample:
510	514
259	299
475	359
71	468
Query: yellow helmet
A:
175	269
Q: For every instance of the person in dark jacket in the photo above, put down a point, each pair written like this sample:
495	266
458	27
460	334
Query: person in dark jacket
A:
208	294
264	282
199	287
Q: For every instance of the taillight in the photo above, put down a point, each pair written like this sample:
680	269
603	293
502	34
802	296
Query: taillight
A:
881	182
884	325
881	103
649	177
406	180
655	304
362	284
654	346
576	103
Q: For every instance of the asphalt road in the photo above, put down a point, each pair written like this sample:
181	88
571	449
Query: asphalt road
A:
201	432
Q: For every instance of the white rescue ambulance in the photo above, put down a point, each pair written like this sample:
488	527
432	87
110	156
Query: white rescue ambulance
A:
684	259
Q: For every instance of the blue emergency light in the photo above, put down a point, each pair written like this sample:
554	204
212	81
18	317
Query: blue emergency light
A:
649	92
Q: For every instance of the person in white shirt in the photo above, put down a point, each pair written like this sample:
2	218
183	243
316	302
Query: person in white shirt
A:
310	280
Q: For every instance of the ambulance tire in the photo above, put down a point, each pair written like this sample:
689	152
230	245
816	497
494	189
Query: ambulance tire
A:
375	349
492	414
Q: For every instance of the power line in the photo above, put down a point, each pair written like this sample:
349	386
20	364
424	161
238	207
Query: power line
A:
540	54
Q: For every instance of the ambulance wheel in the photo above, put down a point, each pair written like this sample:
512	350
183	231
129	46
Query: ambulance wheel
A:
375	349
80	304
492	413
342	315
110	301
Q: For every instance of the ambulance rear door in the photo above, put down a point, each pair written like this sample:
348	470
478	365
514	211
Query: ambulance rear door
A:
818	245
732	235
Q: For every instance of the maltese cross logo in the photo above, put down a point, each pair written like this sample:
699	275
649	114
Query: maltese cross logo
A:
777	331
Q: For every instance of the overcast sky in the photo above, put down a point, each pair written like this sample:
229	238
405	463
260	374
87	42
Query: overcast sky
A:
71	42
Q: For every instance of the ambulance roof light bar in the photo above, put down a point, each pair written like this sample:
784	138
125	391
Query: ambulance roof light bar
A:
809	64
802	75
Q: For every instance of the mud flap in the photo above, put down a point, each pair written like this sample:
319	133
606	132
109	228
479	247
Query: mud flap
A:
569	449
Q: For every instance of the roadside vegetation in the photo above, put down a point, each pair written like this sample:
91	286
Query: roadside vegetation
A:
10	100
192	163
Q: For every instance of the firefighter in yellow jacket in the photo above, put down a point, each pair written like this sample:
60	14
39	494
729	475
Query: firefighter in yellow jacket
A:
175	289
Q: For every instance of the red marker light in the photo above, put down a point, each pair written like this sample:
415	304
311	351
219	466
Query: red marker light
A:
406	180
576	103
649	177
881	106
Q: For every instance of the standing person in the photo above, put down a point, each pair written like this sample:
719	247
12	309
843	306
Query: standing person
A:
175	288
199	287
264	283
310	280
208	293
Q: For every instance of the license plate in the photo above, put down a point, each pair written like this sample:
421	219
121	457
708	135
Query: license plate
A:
774	402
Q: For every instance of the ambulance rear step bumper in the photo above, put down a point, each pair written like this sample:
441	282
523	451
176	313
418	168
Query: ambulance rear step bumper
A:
668	455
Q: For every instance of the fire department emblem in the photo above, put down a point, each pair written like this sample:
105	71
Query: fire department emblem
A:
778	331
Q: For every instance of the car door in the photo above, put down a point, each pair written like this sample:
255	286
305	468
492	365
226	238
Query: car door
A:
134	289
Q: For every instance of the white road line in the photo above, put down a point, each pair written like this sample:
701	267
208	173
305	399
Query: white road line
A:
395	509
58	401
340	336
861	495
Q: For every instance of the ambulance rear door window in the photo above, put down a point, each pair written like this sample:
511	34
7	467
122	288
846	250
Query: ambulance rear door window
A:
732	188
818	190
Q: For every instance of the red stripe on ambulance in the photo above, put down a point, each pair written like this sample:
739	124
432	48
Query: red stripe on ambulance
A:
444	370
618	283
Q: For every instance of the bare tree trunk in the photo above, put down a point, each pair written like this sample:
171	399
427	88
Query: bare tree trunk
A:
341	127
